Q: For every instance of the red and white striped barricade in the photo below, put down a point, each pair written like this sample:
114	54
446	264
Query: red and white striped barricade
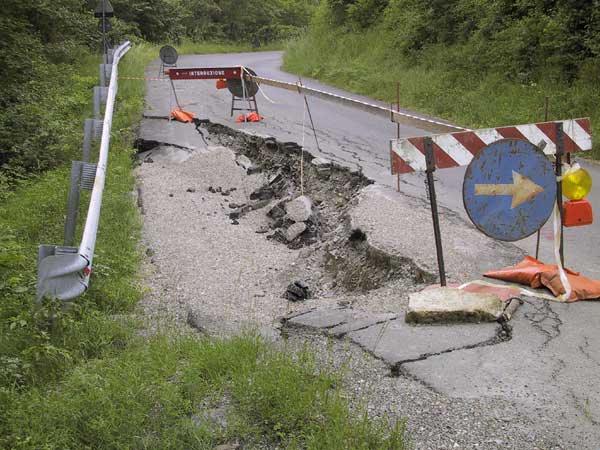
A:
458	149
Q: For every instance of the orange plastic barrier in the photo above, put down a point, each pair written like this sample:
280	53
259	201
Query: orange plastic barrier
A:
535	273
577	213
251	117
182	116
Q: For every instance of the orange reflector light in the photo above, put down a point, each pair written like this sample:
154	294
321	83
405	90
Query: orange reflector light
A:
222	84
577	213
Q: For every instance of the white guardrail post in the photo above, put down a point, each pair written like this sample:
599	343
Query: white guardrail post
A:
64	272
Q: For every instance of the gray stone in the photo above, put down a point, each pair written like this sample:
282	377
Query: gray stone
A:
258	204
295	230
263	193
277	211
299	209
397	341
275	179
244	162
321	163
447	304
298	290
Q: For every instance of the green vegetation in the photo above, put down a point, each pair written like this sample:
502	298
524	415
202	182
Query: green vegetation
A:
195	394
44	42
474	62
213	20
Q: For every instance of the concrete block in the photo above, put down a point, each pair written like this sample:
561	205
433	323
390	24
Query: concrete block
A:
447	304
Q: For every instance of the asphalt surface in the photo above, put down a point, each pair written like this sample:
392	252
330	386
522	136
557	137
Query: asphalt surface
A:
549	368
360	139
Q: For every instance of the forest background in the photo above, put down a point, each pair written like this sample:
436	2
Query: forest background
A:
480	63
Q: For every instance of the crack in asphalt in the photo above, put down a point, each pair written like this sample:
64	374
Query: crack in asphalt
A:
503	334
538	318
354	330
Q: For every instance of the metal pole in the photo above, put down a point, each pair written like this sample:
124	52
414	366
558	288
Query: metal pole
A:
398	107
175	94
97	102
430	160
539	232
560	150
398	127
312	124
104	41
88	130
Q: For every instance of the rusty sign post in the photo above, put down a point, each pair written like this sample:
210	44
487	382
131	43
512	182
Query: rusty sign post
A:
430	180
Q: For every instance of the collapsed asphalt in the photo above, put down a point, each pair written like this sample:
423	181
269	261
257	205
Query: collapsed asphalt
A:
545	373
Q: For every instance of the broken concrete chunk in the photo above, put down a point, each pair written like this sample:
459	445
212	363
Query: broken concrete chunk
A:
277	211
321	163
296	291
258	204
271	142
275	179
263	193
295	230
299	209
447	304
226	192
243	161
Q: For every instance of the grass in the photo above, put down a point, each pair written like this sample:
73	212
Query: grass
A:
435	84
82	377
167	393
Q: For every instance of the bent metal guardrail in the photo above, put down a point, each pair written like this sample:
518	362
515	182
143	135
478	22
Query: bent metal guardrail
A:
64	271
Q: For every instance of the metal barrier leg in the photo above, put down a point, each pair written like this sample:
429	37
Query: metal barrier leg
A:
97	102
73	203
88	130
430	159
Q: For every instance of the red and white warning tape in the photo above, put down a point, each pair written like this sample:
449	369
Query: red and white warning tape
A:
144	78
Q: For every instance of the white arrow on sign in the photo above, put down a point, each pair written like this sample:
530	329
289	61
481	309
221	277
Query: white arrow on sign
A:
521	189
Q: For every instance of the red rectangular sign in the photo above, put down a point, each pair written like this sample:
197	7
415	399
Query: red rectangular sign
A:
205	73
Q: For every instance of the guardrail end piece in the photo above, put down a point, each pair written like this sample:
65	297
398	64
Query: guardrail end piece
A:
60	272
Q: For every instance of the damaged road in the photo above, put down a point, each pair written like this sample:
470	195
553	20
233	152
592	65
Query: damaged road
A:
360	249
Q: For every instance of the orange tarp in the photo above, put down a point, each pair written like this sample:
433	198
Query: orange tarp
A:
535	273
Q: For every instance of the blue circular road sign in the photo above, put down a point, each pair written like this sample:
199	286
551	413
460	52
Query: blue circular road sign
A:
509	189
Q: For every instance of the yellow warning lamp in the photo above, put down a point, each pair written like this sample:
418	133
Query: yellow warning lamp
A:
576	186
